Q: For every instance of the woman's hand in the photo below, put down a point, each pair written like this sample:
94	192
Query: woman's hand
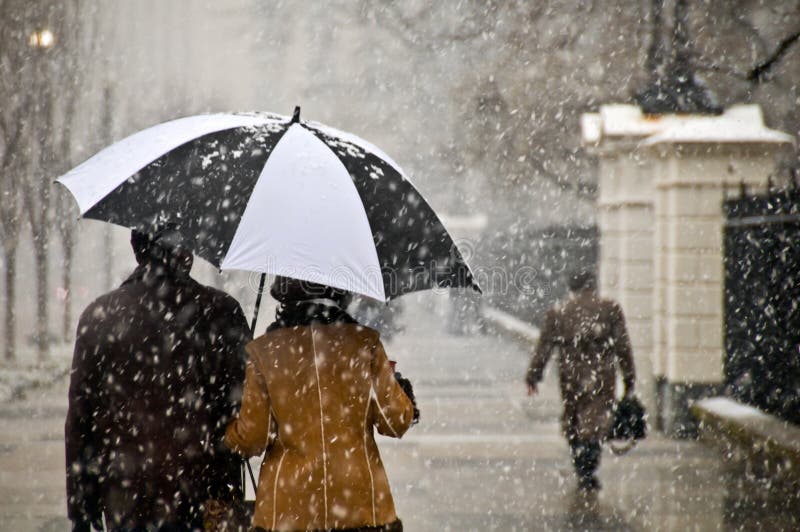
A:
405	384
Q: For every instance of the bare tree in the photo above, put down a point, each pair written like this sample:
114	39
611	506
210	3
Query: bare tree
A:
78	42
753	55
521	73
50	115
14	145
36	198
10	226
66	224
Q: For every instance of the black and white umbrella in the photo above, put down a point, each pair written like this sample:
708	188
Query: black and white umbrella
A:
265	193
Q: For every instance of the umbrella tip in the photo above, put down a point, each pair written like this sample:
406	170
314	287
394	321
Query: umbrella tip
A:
296	115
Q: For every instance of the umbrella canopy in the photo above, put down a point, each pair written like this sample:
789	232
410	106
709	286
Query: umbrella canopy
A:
266	193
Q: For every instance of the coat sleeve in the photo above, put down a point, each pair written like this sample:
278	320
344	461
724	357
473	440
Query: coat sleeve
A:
248	433
79	437
226	389
233	360
622	349
548	340
391	410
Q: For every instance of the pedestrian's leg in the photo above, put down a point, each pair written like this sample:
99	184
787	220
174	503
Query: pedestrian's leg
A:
586	458
593	454
578	450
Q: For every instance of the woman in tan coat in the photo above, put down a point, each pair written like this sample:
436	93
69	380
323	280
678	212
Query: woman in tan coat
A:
316	384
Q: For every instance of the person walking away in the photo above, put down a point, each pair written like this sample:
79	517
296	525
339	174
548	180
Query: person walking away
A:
317	383
156	376
590	336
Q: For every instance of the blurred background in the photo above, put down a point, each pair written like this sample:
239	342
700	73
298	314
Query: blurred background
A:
479	101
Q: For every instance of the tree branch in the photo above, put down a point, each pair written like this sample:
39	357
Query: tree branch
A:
742	21
412	35
700	64
760	73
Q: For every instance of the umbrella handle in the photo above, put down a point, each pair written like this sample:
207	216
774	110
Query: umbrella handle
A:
252	477
258	303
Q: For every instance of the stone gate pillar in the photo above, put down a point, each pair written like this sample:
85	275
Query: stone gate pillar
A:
660	189
695	161
625	224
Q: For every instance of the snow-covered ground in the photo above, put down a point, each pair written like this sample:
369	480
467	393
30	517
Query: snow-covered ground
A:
26	372
484	456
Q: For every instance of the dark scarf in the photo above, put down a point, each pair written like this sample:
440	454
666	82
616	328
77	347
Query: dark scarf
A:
302	313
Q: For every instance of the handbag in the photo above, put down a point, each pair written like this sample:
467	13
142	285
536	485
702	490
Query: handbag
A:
628	425
233	515
224	516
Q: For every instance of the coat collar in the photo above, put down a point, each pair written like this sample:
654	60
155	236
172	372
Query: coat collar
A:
306	312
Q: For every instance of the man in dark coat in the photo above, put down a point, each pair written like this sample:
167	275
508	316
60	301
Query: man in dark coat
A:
590	335
156	376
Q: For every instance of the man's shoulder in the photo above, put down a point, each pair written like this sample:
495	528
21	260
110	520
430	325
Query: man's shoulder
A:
365	335
110	302
559	307
219	298
593	301
610	305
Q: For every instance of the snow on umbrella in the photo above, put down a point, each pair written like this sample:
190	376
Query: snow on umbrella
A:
265	193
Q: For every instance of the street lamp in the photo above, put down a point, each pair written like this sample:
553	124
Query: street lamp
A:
43	38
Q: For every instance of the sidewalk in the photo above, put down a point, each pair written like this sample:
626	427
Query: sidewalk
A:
32	485
484	457
26	372
487	457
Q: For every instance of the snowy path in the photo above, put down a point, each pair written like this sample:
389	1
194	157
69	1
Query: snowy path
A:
487	457
32	481
484	457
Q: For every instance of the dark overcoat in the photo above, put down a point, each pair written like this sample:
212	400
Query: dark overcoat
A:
590	336
156	376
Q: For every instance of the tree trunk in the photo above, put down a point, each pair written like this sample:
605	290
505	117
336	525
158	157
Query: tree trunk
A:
10	325
66	281
42	293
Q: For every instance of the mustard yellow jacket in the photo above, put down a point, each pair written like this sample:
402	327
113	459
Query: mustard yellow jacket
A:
312	396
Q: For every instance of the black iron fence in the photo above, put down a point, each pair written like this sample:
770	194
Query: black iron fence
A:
762	300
